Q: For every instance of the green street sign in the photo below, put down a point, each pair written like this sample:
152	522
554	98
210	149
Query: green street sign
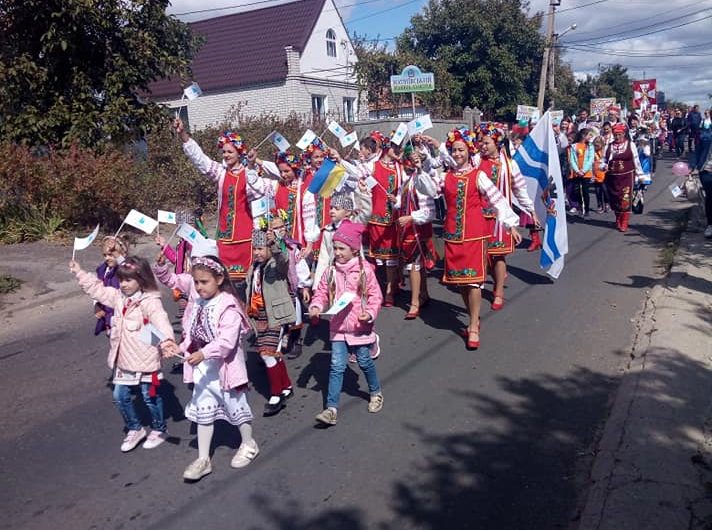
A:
411	79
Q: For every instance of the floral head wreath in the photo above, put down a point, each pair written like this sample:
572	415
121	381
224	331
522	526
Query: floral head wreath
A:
209	263
229	137
117	243
292	160
462	135
492	130
382	142
406	161
316	145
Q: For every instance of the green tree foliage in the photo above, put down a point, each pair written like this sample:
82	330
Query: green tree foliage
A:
615	82
374	68
74	70
484	53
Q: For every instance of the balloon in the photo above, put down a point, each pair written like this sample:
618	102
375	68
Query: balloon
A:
680	169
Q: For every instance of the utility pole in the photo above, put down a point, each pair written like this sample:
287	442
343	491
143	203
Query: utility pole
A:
547	53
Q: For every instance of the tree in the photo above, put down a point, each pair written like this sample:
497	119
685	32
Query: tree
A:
74	70
615	82
373	70
484	53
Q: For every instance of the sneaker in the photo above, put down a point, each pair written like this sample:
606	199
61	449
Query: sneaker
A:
246	453
375	404
376	348
573	211
708	232
133	438
155	438
197	469
327	416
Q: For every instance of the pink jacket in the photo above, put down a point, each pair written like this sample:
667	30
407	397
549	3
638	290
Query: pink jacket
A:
127	351
233	326
345	325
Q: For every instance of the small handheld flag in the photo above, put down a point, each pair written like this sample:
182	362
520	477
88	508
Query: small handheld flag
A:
151	335
419	125
80	243
166	217
327	178
307	138
280	142
336	129
399	134
142	222
193	91
348	139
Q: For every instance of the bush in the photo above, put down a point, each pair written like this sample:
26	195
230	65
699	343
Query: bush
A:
8	284
42	190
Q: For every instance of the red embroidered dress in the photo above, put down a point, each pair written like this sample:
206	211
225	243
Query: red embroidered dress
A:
620	175
382	225
499	172
290	199
322	216
234	236
465	230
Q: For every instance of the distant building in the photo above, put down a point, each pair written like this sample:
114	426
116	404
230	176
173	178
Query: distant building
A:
292	57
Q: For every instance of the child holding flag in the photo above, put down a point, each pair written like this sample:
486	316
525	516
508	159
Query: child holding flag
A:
214	327
114	251
134	363
352	328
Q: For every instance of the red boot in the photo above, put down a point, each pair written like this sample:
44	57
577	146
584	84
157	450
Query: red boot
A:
536	241
618	221
625	217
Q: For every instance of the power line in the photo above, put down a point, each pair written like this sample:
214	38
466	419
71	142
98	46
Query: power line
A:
382	11
625	54
259	2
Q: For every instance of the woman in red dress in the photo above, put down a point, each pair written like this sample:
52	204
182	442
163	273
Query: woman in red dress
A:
622	164
238	185
467	190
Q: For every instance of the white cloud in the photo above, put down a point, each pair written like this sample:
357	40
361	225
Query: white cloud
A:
679	65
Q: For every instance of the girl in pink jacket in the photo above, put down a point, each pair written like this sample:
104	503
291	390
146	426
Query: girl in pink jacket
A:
214	329
134	361
351	329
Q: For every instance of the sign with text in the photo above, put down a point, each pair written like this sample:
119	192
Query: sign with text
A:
411	79
599	106
526	112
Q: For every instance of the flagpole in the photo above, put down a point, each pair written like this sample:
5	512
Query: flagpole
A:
180	105
170	238
263	141
120	227
74	252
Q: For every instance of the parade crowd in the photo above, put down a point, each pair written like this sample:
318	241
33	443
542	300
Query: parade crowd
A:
290	252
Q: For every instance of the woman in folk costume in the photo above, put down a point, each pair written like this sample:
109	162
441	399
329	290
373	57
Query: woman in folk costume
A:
237	187
417	210
383	223
622	166
291	195
504	173
466	231
312	158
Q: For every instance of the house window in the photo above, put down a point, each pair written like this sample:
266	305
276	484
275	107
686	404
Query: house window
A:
330	43
349	109
319	106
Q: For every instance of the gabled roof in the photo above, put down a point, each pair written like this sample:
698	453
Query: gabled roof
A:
246	48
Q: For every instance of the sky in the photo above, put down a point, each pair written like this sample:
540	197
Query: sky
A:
668	40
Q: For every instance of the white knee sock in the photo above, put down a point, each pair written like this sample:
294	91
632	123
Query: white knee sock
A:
246	431
269	360
205	437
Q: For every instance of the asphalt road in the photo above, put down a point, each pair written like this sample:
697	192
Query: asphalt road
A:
500	438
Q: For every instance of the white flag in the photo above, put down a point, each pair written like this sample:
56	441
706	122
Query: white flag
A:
151	335
142	222
80	243
399	134
538	160
306	139
348	139
259	207
193	92
418	125
166	217
279	141
204	247
190	234
336	129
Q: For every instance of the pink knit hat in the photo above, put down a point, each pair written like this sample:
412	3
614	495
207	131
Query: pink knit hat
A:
349	234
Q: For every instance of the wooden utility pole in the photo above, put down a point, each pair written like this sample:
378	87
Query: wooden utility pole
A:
547	53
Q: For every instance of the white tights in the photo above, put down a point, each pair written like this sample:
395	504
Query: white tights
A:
205	437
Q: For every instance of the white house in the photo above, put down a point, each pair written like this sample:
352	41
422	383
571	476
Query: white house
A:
292	57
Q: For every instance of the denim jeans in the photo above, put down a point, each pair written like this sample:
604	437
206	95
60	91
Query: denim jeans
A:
124	402
339	359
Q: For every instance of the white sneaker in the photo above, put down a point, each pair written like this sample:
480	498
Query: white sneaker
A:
133	438
197	469
155	438
708	232
375	403
246	453
327	416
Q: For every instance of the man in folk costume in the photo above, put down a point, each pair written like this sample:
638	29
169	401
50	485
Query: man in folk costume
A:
238	185
504	173
291	195
416	208
383	223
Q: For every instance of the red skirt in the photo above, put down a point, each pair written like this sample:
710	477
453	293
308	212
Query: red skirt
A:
495	245
383	241
411	251
465	263
237	257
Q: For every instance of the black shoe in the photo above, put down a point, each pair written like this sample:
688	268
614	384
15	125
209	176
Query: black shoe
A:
271	410
296	351
287	393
